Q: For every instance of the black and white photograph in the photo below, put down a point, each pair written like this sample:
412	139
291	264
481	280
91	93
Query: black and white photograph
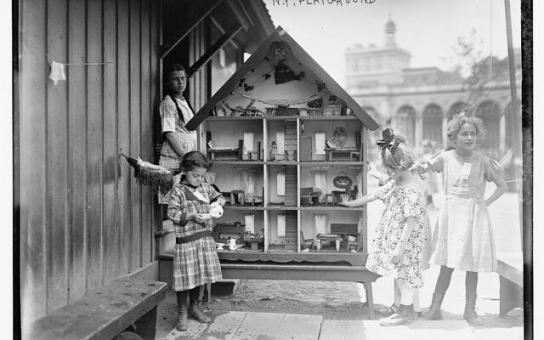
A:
271	169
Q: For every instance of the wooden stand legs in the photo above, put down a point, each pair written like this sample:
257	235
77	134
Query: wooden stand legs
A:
369	299
511	296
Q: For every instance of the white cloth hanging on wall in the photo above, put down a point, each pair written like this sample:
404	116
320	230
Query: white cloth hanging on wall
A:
57	72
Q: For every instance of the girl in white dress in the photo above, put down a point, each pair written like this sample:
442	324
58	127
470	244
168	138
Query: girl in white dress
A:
465	236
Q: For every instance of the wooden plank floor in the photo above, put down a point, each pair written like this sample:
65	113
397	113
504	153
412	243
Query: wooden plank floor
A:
280	326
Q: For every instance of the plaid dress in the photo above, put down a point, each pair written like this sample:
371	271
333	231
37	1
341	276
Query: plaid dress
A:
196	262
172	122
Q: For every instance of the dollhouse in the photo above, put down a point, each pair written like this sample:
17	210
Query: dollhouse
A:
288	145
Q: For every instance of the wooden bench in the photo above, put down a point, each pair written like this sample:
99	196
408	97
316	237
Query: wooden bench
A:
304	272
104	313
510	270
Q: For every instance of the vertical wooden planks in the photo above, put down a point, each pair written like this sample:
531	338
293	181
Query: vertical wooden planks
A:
32	152
110	162
146	123
123	133
94	144
77	151
155	88
82	216
135	132
56	151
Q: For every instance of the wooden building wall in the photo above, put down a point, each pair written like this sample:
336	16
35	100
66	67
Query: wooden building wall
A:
84	220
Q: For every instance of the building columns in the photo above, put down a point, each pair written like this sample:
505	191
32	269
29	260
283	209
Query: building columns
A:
444	129
418	130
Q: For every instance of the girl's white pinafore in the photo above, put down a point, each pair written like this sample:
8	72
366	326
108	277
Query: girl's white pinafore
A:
465	236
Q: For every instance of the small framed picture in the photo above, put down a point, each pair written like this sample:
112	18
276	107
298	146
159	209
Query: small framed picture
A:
332	110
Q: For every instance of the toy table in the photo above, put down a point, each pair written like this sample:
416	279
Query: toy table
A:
342	153
327	237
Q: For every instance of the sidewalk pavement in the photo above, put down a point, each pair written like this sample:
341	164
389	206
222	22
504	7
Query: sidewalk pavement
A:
238	325
269	326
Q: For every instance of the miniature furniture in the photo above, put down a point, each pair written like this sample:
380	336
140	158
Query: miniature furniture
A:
104	313
224	154
224	231
344	231
351	154
319	238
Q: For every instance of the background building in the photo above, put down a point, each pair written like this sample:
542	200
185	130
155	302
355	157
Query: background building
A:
420	101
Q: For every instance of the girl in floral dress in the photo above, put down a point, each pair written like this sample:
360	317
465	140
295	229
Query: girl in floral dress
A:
400	244
465	236
196	263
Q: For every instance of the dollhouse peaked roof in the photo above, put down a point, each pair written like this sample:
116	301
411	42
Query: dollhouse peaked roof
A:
301	56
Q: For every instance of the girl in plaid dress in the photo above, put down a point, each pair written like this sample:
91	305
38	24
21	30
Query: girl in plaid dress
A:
195	257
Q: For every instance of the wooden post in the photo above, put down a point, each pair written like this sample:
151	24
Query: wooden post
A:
514	105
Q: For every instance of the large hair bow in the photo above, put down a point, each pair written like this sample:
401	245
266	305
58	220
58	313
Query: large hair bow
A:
390	140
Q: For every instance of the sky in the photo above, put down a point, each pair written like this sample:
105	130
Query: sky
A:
426	28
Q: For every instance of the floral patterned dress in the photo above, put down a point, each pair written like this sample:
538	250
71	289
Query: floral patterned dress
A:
400	203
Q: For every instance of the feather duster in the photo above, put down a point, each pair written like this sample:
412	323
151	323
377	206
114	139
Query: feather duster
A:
147	173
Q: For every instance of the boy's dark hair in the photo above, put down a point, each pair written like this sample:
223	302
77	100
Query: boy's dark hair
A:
195	159
173	68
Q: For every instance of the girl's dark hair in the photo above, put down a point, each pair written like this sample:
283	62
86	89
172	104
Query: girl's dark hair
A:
173	68
195	159
393	155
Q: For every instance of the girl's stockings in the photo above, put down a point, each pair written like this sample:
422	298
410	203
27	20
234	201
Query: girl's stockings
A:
182	298
195	310
417	306
440	289
406	313
471	284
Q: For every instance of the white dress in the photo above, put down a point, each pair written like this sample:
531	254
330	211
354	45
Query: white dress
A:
465	236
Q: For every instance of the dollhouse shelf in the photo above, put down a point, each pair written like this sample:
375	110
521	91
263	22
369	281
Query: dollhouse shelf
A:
281	208
281	163
238	162
235	118
331	163
304	163
244	207
336	118
353	259
328	208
